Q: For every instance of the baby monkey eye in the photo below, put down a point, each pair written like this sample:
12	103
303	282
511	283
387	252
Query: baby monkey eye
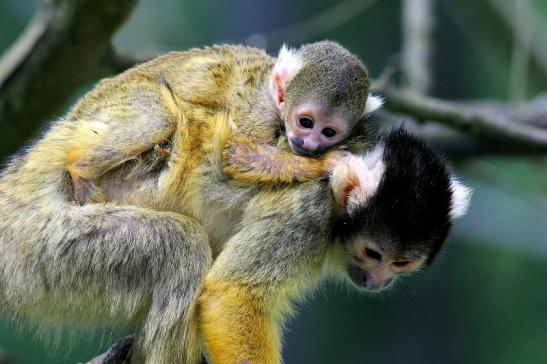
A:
401	263
328	132
306	122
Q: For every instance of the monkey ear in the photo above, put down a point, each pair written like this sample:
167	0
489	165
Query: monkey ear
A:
286	66
356	178
373	103
344	180
461	195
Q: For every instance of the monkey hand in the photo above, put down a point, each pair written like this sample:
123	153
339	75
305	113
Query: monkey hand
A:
332	158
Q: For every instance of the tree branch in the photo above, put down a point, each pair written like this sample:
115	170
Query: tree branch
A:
450	142
118	353
504	128
63	47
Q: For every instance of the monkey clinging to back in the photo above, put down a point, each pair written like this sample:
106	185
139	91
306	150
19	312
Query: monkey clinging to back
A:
317	93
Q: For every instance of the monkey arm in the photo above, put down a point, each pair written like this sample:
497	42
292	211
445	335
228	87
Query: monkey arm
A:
263	267
246	161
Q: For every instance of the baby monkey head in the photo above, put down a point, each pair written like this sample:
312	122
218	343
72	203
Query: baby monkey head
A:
399	202
321	91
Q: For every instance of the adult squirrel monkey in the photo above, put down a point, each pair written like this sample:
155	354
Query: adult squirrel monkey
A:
384	213
317	93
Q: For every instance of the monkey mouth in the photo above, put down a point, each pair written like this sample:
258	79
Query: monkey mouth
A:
362	279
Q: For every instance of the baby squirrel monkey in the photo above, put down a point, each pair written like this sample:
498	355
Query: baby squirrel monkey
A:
316	93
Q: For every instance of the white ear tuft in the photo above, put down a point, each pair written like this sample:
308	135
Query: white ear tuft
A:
374	102
289	60
286	66
461	196
356	178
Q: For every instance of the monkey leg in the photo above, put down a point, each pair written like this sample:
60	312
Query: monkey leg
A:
267	264
102	263
117	129
237	325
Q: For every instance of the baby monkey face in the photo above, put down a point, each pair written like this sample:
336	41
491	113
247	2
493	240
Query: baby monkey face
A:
311	129
374	268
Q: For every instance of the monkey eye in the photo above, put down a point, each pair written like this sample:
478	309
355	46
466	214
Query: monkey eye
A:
373	254
401	263
305	122
328	132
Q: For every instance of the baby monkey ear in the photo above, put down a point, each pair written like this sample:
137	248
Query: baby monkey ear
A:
374	102
287	65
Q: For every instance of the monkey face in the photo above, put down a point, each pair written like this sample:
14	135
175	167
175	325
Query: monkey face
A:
373	268
311	130
399	202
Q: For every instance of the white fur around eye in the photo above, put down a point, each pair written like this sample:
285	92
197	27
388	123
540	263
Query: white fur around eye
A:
461	196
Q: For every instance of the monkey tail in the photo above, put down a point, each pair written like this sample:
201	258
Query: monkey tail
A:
222	137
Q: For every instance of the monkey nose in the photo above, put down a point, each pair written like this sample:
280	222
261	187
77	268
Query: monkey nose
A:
296	141
358	275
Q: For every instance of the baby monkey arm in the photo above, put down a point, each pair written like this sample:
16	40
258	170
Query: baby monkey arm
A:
246	161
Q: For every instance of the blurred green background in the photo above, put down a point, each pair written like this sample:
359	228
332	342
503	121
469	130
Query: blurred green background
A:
485	301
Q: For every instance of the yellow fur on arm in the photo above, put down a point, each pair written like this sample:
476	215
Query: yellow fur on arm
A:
248	162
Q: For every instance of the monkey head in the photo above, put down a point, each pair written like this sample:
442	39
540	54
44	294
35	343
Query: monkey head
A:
399	202
321	91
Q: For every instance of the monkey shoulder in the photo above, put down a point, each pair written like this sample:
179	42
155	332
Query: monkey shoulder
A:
310	201
316	202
